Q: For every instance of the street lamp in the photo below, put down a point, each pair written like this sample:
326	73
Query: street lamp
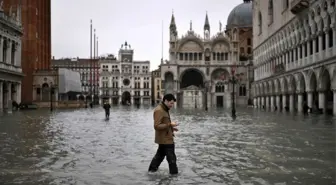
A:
206	85
233	80
52	89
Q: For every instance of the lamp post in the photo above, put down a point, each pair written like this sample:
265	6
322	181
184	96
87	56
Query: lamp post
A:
51	95
233	80
206	85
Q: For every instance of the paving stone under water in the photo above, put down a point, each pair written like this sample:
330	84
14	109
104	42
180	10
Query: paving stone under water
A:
81	147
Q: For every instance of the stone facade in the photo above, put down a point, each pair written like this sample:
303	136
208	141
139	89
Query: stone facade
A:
295	54
45	86
156	86
10	58
199	67
36	40
124	80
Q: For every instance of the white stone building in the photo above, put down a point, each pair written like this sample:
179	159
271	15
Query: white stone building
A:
10	59
124	80
294	52
199	67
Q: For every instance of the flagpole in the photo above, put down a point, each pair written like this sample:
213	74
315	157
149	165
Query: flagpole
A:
91	58
94	64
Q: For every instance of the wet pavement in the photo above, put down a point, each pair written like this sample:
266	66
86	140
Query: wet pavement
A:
81	147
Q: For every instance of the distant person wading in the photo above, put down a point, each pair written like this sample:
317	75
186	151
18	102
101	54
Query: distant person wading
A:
107	108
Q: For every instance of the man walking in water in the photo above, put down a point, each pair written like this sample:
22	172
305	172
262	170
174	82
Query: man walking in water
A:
107	107
164	135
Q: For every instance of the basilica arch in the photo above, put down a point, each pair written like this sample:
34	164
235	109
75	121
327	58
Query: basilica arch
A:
191	77
192	89
168	82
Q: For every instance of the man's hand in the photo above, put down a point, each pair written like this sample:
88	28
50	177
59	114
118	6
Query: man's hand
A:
175	129
173	124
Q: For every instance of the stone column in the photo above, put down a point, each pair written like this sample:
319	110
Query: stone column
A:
277	101
334	107
308	50
291	102
56	94
314	47
326	31
18	93
294	62
320	43
262	101
1	94
254	102
18	55
284	101
310	99
1	54
272	102
267	102
300	101
9	95
322	104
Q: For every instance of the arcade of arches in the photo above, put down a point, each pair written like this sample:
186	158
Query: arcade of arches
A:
194	89
9	92
317	89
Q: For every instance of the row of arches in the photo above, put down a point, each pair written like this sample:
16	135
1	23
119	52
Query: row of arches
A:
318	22
314	88
216	89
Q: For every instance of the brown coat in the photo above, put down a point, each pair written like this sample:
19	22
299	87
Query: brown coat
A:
163	131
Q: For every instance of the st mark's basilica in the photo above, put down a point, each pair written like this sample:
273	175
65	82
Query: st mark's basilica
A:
199	66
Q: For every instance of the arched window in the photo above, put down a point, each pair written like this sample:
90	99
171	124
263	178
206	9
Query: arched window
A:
220	87
242	90
270	12
260	22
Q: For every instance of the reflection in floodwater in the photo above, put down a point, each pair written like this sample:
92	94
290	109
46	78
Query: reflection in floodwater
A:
81	147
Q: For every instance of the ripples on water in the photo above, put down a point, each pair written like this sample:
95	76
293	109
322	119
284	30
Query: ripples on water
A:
81	147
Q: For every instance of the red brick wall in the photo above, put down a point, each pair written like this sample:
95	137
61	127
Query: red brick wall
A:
36	40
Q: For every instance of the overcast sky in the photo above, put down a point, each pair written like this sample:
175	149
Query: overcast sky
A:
139	22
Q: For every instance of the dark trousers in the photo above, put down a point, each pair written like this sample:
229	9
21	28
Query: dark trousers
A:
107	113
168	151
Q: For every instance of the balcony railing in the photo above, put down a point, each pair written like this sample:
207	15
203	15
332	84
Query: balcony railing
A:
10	67
10	21
298	6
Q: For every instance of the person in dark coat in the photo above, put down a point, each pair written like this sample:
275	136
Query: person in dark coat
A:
107	108
164	135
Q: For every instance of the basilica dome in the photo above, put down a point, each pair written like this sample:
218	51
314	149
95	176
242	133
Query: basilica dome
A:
240	16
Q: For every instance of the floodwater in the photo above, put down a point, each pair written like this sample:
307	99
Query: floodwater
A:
81	147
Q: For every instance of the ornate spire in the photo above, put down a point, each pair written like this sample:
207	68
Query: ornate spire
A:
190	26
172	22
206	23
